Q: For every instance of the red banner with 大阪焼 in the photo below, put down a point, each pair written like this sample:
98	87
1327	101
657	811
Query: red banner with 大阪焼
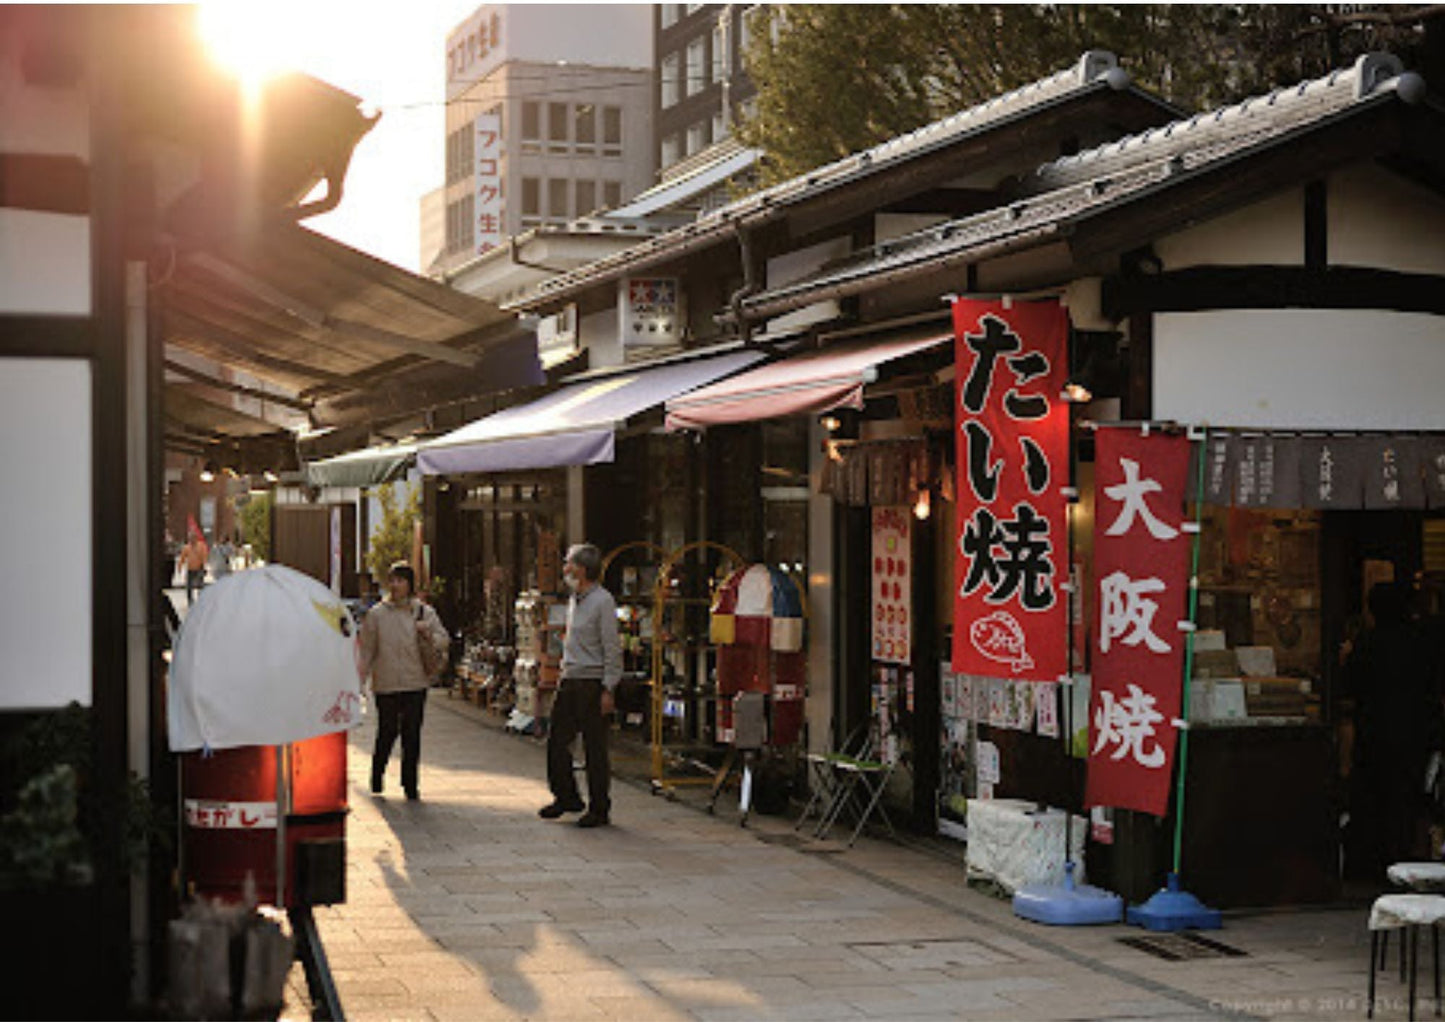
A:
1141	571
1010	615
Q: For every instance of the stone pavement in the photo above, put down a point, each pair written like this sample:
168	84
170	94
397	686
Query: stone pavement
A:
467	906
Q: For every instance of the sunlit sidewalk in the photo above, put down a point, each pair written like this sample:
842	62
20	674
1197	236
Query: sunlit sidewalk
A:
467	906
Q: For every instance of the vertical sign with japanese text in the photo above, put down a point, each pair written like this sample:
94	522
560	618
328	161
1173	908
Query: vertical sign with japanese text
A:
892	585
488	182
1010	615
1141	564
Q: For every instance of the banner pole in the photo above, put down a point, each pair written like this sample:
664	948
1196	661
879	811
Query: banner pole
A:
1189	653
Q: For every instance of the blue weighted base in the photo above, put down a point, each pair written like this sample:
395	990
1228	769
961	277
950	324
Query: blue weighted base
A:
1069	904
1173	909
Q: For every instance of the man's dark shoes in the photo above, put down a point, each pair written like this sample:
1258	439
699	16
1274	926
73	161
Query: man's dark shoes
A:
591	819
412	795
556	809
376	784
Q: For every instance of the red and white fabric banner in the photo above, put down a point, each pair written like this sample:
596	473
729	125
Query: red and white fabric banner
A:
1010	613
1141	569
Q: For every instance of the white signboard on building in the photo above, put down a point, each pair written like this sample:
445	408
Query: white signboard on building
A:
650	309
487	188
474	48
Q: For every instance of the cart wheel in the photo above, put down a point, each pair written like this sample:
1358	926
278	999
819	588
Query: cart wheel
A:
711	809
670	794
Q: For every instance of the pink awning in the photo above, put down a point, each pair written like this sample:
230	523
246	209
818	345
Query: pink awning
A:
809	383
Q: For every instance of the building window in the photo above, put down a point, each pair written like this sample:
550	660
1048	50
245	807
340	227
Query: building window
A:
719	129
696	137
611	194
693	8
556	127
460	218
461	153
671	150
531	198
670	70
586	197
612	131
584	127
720	63
696	66
531	127
670	14
557	198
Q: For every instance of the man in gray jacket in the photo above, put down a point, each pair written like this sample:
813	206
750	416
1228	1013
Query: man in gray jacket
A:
591	669
391	637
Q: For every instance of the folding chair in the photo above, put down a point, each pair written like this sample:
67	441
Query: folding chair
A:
862	780
825	779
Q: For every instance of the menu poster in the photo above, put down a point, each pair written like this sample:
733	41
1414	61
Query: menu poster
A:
1046	707
966	705
892	585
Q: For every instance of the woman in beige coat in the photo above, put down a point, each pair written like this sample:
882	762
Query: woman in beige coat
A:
392	635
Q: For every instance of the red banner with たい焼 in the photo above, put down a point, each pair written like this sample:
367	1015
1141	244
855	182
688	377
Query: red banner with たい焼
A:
1010	616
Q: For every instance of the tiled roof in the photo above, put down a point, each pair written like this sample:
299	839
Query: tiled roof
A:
1065	189
1096	69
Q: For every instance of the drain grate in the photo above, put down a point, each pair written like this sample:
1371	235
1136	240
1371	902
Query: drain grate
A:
1182	947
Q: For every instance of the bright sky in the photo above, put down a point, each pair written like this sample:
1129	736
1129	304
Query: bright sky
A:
392	56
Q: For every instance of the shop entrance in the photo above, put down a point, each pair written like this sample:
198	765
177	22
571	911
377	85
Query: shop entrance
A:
1385	651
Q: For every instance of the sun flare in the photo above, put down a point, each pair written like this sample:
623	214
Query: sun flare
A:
244	40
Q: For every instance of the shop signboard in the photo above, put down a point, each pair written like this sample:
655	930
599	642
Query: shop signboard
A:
892	586
650	309
1141	568
1010	615
487	184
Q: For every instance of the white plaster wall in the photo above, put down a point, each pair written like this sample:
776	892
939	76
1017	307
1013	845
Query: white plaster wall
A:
1380	219
45	409
1270	232
1301	369
44	257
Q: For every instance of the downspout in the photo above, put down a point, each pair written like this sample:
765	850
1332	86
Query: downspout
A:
750	284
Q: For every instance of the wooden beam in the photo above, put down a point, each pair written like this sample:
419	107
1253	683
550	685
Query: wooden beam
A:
246	351
319	319
236	388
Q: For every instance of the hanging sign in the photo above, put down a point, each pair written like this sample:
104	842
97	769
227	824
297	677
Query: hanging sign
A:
892	586
1009	614
1141	567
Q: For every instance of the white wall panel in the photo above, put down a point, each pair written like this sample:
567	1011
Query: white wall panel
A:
1269	232
44	263
1301	369
45	544
1379	219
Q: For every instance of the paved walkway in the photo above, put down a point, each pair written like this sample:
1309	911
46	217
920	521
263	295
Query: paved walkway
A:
467	906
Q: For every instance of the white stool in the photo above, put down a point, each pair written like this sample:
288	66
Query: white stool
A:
1419	877
1407	912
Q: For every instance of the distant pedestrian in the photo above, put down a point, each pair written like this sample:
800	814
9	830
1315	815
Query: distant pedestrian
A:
221	556
193	558
591	669
392	635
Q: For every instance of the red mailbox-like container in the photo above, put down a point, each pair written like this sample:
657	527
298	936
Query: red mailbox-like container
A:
233	821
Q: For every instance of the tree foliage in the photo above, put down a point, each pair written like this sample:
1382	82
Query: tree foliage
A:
834	79
256	524
391	542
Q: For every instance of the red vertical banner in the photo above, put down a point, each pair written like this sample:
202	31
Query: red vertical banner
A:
1010	616
1141	569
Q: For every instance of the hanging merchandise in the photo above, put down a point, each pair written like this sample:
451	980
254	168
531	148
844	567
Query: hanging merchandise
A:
1141	568
758	606
1009	612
